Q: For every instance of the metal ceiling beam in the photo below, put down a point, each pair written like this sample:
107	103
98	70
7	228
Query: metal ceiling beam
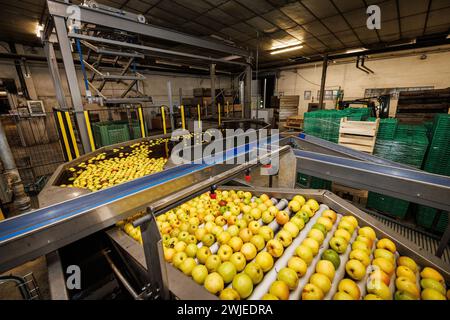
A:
100	18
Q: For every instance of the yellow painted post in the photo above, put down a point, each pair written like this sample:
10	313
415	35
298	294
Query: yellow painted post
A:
198	113
218	110
183	121
163	115
141	122
2	217
64	135
72	134
89	130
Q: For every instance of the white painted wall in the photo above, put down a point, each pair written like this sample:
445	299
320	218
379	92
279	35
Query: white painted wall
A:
408	71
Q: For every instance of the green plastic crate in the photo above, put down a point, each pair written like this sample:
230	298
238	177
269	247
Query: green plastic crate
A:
425	217
389	205
107	133
315	183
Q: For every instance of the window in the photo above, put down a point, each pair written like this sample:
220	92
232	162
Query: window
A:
329	94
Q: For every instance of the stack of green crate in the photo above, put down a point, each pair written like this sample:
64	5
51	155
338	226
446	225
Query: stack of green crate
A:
314	183
387	129
438	162
110	132
408	146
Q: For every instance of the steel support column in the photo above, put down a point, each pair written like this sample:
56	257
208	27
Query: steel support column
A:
169	96
212	70
322	81
71	74
247	105
54	72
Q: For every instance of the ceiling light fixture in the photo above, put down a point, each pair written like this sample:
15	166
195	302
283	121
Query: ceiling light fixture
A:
355	50
39	29
229	58
168	63
286	49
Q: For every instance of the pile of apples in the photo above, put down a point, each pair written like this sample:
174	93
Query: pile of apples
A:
227	244
103	171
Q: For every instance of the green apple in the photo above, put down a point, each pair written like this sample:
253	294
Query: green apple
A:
238	260
191	250
338	244
332	256
227	271
402	295
289	276
265	260
243	285
312	292
202	254
199	273
187	266
305	253
214	283
258	241
213	262
254	271
303	215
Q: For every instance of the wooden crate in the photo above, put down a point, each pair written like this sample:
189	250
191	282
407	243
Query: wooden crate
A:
358	135
294	122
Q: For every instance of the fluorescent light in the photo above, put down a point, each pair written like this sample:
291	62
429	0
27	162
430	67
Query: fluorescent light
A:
229	58
355	50
168	63
286	49
198	68
39	29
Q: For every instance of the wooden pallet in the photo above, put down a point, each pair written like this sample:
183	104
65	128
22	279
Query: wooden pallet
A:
358	135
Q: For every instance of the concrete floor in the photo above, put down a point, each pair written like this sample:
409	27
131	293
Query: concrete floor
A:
10	291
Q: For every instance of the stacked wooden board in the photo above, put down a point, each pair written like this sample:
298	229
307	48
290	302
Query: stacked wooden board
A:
418	106
285	106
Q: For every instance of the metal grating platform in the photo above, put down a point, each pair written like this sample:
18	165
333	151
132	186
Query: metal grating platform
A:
423	240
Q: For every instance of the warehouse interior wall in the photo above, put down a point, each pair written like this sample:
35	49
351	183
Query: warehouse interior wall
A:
397	72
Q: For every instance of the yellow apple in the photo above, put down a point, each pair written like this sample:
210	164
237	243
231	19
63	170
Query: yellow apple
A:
387	244
249	251
384	264
275	248
406	272
300	199
214	283
168	254
305	253
407	262
349	287
238	260
321	281
298	265
368	241
431	294
355	269
292	228
367	232
254	227
379	289
346	225
229	294
343	234
360	255
316	235
330	214
361	246
245	234
313	204
265	260
269	296
383	253
199	273
379	275
243	284
326	268
430	273
326	222
280	290
372	296
341	295
288	276
313	244
312	292
235	243
406	285
351	219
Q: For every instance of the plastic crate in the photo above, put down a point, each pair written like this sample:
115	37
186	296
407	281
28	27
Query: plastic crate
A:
107	133
392	206
425	217
314	183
